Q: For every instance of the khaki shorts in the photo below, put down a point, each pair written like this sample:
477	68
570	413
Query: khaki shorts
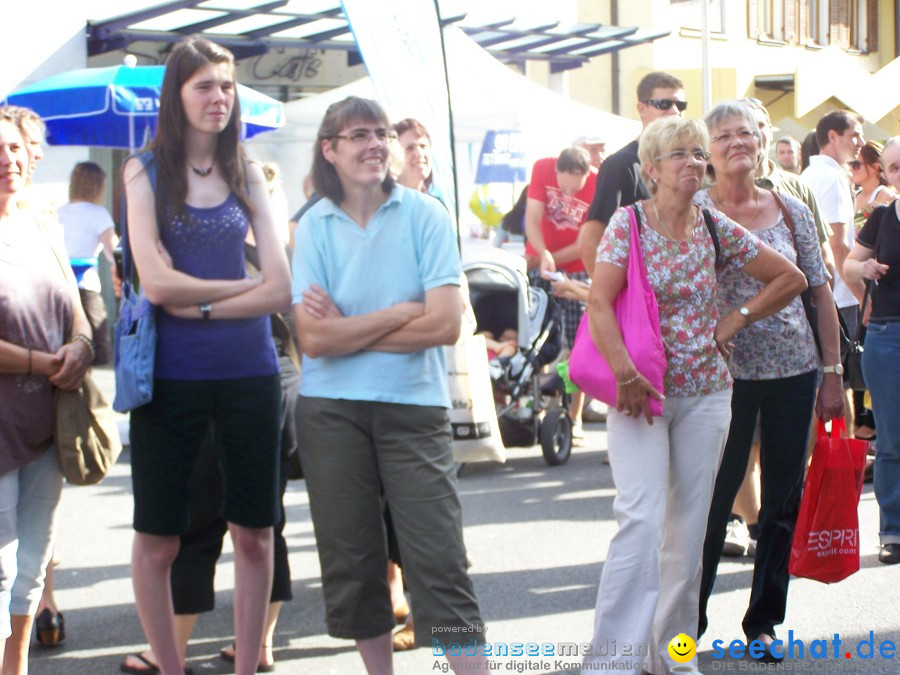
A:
350	451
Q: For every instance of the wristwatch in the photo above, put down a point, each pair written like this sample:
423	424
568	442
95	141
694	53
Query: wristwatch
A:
205	309
837	370
744	312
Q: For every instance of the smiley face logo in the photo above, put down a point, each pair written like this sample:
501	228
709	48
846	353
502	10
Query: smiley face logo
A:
682	648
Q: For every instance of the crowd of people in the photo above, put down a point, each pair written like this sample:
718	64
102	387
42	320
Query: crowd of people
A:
245	304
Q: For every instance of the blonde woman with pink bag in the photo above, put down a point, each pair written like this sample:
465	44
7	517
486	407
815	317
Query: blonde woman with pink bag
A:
664	468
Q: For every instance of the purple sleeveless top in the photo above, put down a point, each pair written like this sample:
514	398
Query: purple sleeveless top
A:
208	243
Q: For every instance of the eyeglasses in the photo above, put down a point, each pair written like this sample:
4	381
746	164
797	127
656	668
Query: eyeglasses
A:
364	136
744	136
855	164
666	103
683	155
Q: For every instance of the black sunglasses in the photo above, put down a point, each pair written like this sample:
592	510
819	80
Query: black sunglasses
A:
666	103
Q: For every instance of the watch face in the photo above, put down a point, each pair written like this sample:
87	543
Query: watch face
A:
839	369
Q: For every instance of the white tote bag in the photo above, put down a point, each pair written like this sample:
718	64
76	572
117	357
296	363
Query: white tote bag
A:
473	417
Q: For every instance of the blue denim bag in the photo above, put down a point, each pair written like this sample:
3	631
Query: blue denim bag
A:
135	334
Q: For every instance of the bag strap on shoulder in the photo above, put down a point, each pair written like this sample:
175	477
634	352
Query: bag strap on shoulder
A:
149	161
714	234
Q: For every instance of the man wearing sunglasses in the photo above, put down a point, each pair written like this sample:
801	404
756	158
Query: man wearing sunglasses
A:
619	179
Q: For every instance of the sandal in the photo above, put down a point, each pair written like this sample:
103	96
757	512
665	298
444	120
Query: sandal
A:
151	668
404	639
227	654
50	628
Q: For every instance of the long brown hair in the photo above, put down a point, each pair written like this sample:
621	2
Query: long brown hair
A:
169	145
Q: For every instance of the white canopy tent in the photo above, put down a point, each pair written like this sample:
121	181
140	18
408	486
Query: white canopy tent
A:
485	94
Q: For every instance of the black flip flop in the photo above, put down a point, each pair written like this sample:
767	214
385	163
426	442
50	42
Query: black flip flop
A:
151	669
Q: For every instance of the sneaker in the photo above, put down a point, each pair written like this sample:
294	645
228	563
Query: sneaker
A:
577	435
736	538
753	532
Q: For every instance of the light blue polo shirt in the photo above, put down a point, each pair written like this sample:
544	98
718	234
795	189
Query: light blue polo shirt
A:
408	247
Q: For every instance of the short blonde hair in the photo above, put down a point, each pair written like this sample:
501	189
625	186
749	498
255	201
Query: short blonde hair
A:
664	134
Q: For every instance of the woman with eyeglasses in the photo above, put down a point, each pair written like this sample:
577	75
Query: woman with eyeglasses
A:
774	364
664	468
376	296
215	360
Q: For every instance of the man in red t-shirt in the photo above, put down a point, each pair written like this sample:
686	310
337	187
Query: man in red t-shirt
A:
559	196
560	193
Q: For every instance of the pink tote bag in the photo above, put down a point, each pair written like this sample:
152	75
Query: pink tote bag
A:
638	316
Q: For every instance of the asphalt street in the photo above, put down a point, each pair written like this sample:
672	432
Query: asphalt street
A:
537	537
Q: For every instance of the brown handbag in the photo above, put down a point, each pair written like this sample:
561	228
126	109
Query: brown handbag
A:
84	424
85	433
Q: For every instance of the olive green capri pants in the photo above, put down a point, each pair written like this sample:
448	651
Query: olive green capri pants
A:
350	452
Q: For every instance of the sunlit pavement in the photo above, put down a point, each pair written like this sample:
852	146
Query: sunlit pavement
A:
537	537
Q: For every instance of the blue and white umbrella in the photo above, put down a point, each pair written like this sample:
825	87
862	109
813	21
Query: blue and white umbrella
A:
117	106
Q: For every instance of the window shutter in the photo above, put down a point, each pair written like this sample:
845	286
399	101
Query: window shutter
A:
753	19
833	20
871	43
790	20
803	23
844	24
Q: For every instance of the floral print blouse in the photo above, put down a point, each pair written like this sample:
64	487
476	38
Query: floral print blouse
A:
683	277
781	345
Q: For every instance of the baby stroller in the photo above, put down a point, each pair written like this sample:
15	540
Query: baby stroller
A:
501	299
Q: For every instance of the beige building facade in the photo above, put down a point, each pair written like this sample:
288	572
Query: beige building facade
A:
801	58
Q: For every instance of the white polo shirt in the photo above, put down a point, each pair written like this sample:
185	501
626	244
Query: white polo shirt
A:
831	186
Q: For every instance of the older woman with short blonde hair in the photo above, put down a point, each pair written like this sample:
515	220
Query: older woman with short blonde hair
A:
664	468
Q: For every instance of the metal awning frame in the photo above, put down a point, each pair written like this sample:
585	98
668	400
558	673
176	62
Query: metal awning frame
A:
563	47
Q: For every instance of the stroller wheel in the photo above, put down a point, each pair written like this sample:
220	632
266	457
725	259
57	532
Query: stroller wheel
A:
556	436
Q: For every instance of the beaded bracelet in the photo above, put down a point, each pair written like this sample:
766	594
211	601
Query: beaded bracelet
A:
632	380
86	340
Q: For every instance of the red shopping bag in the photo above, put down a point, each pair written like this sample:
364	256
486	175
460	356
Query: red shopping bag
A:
826	538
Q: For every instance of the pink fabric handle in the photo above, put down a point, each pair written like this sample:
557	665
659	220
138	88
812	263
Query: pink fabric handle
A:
637	314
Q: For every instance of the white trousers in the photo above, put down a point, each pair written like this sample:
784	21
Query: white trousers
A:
664	475
29	498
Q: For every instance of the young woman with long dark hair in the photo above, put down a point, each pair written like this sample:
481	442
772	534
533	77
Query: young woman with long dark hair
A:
215	361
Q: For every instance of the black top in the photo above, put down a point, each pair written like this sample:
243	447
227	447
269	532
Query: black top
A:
882	233
618	183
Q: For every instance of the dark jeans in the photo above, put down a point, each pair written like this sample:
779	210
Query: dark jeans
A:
785	409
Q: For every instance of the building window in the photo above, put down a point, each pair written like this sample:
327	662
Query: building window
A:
772	20
849	24
863	31
819	17
688	14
